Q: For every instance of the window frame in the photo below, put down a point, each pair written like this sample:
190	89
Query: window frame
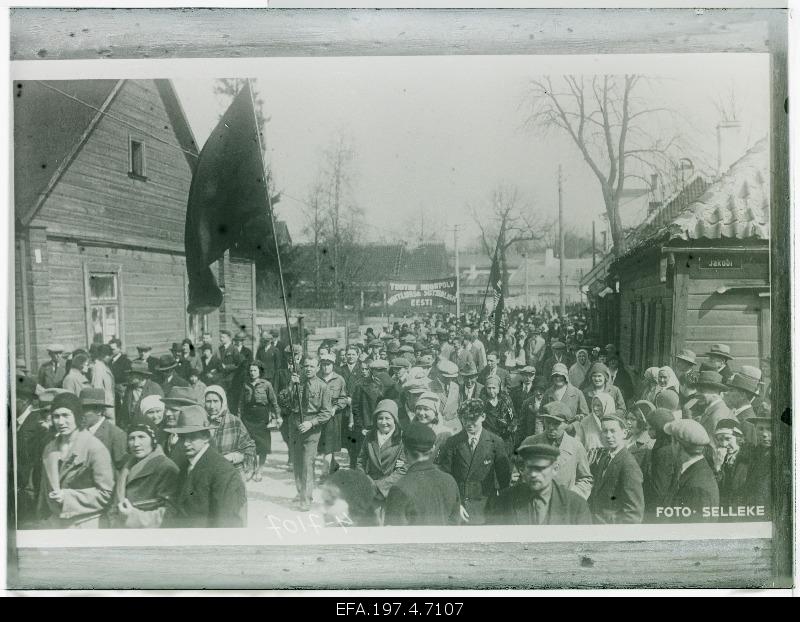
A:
90	268
131	172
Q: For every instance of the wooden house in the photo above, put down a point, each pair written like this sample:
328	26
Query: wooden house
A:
696	272
102	170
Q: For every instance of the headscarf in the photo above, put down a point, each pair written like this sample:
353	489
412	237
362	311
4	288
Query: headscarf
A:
148	402
578	372
609	406
672	379
219	392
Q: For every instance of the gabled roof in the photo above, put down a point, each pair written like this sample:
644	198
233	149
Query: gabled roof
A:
52	122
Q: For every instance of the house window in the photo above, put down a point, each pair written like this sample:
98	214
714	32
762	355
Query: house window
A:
103	306
136	159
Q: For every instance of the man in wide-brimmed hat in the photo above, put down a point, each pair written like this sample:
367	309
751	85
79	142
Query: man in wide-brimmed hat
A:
210	491
743	388
696	486
470	387
719	357
95	403
51	374
710	387
167	373
139	385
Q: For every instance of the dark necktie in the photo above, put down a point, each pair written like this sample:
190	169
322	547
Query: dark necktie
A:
602	463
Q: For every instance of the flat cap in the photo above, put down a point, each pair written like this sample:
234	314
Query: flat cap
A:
375	343
617	416
447	369
378	364
659	417
557	345
328	358
399	362
528	369
529	449
728	426
687	431
558	411
408	339
419	437
667	398
417	385
406	348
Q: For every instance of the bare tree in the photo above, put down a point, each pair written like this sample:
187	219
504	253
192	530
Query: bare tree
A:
507	220
616	130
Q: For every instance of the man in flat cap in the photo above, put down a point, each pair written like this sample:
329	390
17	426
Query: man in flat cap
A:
478	461
425	495
695	487
445	385
617	496
732	467
573	463
51	374
538	498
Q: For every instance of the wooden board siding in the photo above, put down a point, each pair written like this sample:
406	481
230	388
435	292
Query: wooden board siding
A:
96	197
239	296
19	321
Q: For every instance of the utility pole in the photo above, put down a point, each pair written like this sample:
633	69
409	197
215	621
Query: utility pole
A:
458	272
594	243
560	246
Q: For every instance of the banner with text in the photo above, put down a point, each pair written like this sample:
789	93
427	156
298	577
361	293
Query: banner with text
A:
422	294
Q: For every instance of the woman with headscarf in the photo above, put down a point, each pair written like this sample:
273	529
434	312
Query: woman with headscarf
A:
599	381
230	437
382	456
348	499
77	474
650	384
638	439
499	413
426	411
153	411
580	368
659	465
588	429
146	482
667	381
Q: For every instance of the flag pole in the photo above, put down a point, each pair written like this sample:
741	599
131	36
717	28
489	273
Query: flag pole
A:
277	246
489	280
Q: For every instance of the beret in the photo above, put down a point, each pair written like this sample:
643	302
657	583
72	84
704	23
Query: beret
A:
557	410
447	368
419	437
378	364
659	417
399	362
687	431
538	450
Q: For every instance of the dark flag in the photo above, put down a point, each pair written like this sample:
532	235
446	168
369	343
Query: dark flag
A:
496	286
225	198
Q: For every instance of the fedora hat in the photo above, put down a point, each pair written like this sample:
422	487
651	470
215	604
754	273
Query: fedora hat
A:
720	350
468	369
166	362
180	396
688	356
710	379
744	383
140	367
94	397
191	419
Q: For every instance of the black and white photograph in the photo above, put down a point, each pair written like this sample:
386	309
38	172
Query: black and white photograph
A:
325	301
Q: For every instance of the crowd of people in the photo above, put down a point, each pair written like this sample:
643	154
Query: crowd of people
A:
442	421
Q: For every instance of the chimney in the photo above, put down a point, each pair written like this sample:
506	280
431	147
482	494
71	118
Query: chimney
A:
549	258
730	144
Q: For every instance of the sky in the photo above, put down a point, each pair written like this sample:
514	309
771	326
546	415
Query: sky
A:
434	135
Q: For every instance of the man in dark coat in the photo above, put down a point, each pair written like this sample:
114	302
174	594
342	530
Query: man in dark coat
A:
240	375
94	403
732	466
229	358
210	491
120	366
757	490
211	366
425	495
366	396
477	460
269	355
558	355
51	374
617	496
492	369
168	377
537	499
524	390
30	439
139	386
719	358
743	389
695	489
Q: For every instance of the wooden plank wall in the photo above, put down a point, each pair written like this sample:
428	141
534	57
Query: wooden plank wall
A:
96	197
239	296
19	322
